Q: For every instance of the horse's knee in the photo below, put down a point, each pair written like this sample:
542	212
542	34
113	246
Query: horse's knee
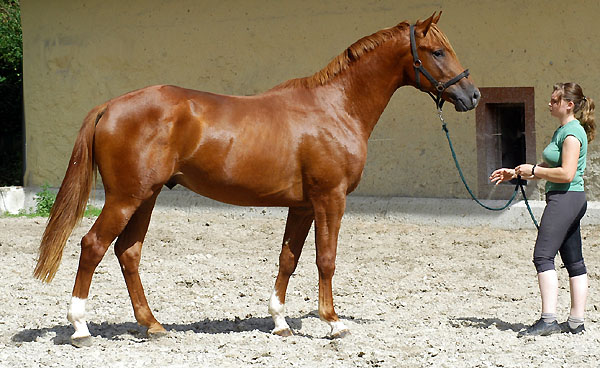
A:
326	265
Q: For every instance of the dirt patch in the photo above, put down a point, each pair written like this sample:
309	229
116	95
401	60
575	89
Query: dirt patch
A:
412	295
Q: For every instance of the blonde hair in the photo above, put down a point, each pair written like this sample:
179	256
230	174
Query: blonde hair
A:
584	106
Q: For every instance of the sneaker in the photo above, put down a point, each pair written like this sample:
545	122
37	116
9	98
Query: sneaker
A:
578	330
541	328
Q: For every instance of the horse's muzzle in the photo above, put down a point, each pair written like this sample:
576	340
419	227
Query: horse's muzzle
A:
465	99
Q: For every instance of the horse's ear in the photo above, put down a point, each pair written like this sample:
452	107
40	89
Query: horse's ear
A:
423	27
437	19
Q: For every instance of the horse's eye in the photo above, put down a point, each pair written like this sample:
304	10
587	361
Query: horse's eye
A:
438	53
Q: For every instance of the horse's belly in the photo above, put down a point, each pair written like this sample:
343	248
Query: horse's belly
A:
241	192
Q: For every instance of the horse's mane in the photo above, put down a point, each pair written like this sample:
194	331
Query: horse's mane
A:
343	60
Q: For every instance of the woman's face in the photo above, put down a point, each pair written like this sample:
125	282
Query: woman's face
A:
558	106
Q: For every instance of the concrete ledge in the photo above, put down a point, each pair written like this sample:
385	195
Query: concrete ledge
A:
12	199
426	211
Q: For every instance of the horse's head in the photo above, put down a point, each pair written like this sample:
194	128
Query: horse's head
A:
437	69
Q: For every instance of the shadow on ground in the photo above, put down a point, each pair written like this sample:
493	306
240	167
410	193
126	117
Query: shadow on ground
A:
133	331
486	323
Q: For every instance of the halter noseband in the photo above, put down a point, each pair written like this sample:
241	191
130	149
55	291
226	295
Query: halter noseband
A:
418	66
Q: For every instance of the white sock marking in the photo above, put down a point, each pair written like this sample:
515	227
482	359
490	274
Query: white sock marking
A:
337	327
76	316
276	309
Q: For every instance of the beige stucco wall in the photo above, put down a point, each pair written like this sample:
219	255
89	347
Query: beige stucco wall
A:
78	54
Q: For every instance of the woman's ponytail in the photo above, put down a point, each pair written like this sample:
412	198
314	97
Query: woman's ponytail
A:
587	118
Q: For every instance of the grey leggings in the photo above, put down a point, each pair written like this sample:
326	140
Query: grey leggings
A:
559	232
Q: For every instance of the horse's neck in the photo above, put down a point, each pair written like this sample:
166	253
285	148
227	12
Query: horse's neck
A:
369	84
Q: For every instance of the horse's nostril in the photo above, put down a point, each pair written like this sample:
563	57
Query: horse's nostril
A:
476	96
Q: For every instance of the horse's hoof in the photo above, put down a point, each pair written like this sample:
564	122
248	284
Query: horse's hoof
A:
156	332
340	334
286	332
81	342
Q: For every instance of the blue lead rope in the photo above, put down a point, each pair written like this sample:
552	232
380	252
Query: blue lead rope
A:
462	177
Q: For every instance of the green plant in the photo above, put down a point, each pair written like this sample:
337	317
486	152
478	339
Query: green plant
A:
92	211
44	200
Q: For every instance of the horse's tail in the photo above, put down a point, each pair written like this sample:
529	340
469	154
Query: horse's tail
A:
71	200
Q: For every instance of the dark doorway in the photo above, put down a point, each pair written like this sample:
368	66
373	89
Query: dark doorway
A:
510	133
505	119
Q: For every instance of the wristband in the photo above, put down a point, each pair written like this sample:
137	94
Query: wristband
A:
533	170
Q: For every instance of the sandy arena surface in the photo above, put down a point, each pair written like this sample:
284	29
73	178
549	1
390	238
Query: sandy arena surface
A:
412	295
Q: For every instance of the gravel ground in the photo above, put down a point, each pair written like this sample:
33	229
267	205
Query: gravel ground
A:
412	295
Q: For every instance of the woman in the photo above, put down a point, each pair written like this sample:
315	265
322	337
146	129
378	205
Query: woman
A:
564	161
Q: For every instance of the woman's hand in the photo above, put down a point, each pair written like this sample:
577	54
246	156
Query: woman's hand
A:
501	175
524	170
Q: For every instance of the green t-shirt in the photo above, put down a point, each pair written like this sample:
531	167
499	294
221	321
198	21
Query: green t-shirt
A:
552	155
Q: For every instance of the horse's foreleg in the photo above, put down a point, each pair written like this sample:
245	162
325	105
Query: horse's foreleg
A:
296	229
328	216
128	250
108	226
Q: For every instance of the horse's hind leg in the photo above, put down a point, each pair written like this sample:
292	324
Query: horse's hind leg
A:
128	250
296	229
108	226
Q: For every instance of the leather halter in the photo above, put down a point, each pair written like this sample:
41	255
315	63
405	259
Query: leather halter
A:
418	66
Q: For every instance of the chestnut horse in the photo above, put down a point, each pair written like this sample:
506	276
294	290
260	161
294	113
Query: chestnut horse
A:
302	145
